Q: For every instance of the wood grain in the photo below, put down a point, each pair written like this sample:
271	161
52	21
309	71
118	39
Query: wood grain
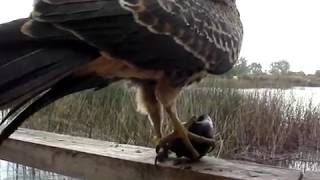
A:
94	160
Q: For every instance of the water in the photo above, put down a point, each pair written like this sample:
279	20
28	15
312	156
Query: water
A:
304	95
13	171
301	161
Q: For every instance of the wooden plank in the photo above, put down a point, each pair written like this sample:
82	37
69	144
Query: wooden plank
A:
94	160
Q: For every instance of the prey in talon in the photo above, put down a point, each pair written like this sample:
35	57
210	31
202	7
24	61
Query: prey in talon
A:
202	127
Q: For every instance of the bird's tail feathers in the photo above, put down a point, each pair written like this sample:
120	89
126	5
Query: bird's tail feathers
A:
18	114
35	72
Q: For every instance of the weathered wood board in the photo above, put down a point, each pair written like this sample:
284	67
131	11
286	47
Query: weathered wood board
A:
94	160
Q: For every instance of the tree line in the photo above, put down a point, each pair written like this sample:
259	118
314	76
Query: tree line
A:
277	68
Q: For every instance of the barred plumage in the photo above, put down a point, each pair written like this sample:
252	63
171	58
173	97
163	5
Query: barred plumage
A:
71	45
203	27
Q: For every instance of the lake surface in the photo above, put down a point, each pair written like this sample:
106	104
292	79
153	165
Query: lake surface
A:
304	95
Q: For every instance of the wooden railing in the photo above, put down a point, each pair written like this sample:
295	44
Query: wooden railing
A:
94	160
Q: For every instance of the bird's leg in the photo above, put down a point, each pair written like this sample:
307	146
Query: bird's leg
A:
167	96
201	139
147	103
190	122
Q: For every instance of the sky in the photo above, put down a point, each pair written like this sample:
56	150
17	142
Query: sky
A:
273	30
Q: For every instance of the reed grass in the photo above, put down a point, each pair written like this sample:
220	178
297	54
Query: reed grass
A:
264	124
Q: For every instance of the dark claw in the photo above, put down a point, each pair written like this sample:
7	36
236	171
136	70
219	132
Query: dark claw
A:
162	154
158	147
202	126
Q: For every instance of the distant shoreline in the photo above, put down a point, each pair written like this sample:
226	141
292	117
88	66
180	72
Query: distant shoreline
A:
261	81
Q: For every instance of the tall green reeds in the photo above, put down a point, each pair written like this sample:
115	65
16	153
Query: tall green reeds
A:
246	122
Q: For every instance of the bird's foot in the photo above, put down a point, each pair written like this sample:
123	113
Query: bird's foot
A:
162	154
162	148
189	123
191	130
200	139
196	138
182	134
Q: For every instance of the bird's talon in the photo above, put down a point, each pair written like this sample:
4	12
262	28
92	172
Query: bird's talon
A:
162	154
192	120
158	147
196	155
200	134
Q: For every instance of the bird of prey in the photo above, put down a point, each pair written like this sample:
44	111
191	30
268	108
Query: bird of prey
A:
67	46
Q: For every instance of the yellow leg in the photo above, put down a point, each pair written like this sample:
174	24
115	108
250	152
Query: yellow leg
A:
167	96
148	104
